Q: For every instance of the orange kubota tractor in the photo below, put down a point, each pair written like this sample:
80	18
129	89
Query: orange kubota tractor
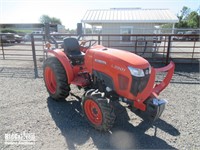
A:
107	75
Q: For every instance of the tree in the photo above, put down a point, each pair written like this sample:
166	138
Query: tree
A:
181	17
55	20
181	24
193	20
47	19
187	19
184	13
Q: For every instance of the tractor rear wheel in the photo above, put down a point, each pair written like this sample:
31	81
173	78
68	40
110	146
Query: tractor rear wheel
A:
98	110
55	79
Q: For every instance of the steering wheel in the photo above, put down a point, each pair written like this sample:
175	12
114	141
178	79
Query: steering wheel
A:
88	43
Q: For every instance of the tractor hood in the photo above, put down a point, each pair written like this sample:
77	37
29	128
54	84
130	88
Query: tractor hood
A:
128	57
121	56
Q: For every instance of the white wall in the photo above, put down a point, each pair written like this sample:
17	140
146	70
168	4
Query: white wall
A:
136	28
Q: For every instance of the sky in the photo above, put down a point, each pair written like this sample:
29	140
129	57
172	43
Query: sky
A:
70	12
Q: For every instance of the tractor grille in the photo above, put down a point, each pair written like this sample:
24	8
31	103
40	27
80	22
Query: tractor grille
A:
139	83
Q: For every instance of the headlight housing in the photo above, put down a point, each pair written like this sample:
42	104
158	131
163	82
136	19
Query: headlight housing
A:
136	72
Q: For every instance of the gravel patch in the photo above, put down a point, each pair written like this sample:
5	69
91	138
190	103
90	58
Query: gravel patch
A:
25	106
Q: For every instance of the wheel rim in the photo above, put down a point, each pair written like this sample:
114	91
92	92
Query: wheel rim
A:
93	112
50	80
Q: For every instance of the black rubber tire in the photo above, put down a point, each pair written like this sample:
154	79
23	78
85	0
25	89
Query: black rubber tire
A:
62	86
105	106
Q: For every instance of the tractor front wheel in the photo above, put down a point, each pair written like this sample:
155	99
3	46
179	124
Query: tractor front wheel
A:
55	79
98	110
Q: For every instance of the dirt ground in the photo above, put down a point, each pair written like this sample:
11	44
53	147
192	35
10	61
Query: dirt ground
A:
25	106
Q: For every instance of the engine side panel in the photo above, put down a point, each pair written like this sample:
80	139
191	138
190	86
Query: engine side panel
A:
106	79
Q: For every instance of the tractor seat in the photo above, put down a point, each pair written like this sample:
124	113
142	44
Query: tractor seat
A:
72	50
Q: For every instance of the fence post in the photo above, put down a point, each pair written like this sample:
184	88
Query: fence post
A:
99	40
193	50
2	48
34	56
108	41
168	49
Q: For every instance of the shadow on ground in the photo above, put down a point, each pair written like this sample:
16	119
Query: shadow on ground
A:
74	127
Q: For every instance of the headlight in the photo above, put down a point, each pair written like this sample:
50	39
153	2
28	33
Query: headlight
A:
136	72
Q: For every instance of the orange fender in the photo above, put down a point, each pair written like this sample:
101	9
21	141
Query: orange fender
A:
61	56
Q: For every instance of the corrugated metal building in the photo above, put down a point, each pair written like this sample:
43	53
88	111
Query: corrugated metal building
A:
129	15
135	17
128	21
